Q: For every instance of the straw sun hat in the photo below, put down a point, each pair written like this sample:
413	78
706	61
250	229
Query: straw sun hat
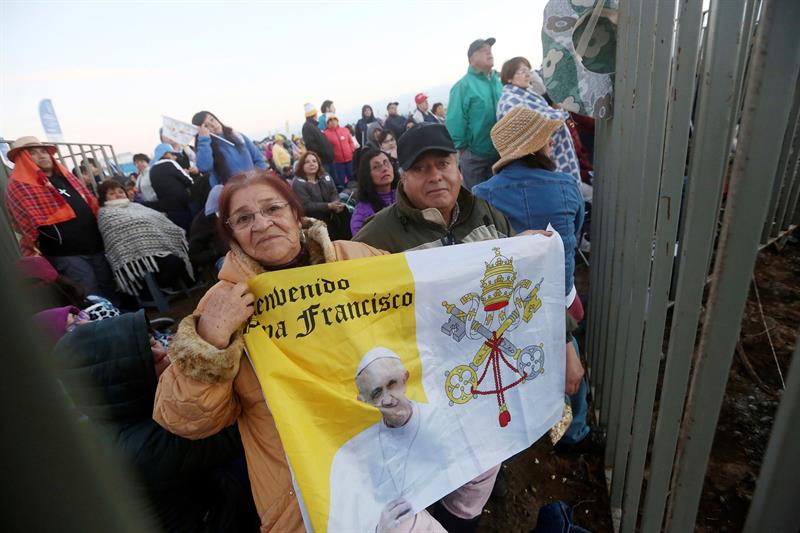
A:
521	132
24	143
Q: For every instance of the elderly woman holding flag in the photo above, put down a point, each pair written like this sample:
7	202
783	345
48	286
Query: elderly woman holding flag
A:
221	151
210	386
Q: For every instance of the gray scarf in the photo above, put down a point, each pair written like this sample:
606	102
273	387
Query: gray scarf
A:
134	236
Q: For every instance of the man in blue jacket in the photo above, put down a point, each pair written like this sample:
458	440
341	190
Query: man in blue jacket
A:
471	113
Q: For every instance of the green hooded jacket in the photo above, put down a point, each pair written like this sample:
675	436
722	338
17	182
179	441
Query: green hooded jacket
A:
471	111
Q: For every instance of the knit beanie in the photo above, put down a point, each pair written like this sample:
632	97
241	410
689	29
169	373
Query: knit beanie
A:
310	110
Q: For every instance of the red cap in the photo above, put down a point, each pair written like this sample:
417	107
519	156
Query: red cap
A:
420	98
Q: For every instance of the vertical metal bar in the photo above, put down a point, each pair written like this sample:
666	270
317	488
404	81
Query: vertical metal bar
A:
594	269
97	164
782	187
114	155
795	203
59	156
621	105
706	172
600	255
611	215
623	197
776	61
106	160
681	91
75	164
774	505
642	372
788	201
646	147
750	12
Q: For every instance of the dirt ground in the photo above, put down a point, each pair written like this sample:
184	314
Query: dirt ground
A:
539	475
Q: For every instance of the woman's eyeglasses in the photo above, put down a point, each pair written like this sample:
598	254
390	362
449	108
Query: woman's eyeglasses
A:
242	221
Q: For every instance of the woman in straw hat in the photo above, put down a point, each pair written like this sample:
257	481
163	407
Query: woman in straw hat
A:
526	187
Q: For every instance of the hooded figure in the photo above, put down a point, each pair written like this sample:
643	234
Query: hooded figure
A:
109	372
172	186
367	118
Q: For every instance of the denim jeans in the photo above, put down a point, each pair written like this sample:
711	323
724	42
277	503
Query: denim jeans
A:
578	429
330	168
475	168
344	173
91	272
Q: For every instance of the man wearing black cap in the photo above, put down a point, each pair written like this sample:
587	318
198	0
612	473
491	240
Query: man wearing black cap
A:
471	113
432	208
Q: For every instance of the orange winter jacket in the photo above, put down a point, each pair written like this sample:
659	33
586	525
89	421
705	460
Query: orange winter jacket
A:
205	389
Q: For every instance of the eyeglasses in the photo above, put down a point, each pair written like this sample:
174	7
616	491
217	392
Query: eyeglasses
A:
242	221
523	70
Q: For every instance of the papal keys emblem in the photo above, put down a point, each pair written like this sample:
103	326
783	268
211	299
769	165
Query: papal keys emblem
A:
496	353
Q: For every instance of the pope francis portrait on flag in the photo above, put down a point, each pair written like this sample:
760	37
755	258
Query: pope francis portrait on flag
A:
381	476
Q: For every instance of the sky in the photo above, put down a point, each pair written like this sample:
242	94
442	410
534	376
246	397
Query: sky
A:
112	69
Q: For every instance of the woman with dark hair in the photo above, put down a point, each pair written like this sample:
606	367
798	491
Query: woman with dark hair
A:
387	142
516	76
219	158
528	188
326	109
367	117
377	182
210	386
438	112
315	189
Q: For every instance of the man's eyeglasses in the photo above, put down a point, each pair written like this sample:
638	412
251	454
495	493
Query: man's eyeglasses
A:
242	221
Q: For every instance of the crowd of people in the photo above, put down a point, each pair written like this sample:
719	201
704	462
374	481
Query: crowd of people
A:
501	160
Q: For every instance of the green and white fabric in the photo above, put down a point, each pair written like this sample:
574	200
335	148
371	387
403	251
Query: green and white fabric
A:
579	47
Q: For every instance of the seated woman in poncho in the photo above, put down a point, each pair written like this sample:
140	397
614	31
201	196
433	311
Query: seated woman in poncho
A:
139	240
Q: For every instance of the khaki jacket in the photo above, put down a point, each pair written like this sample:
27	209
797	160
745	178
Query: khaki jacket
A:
205	389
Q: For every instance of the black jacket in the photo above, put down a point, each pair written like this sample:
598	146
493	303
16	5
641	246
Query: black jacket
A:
316	141
396	124
361	130
205	244
171	186
315	197
107	370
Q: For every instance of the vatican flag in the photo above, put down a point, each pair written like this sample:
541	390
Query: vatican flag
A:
408	375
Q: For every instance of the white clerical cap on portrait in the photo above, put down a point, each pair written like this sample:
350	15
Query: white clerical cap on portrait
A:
374	354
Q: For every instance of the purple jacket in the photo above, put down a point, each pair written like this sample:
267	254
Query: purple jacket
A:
364	210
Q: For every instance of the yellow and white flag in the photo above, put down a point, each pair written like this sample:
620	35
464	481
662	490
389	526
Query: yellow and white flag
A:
407	375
